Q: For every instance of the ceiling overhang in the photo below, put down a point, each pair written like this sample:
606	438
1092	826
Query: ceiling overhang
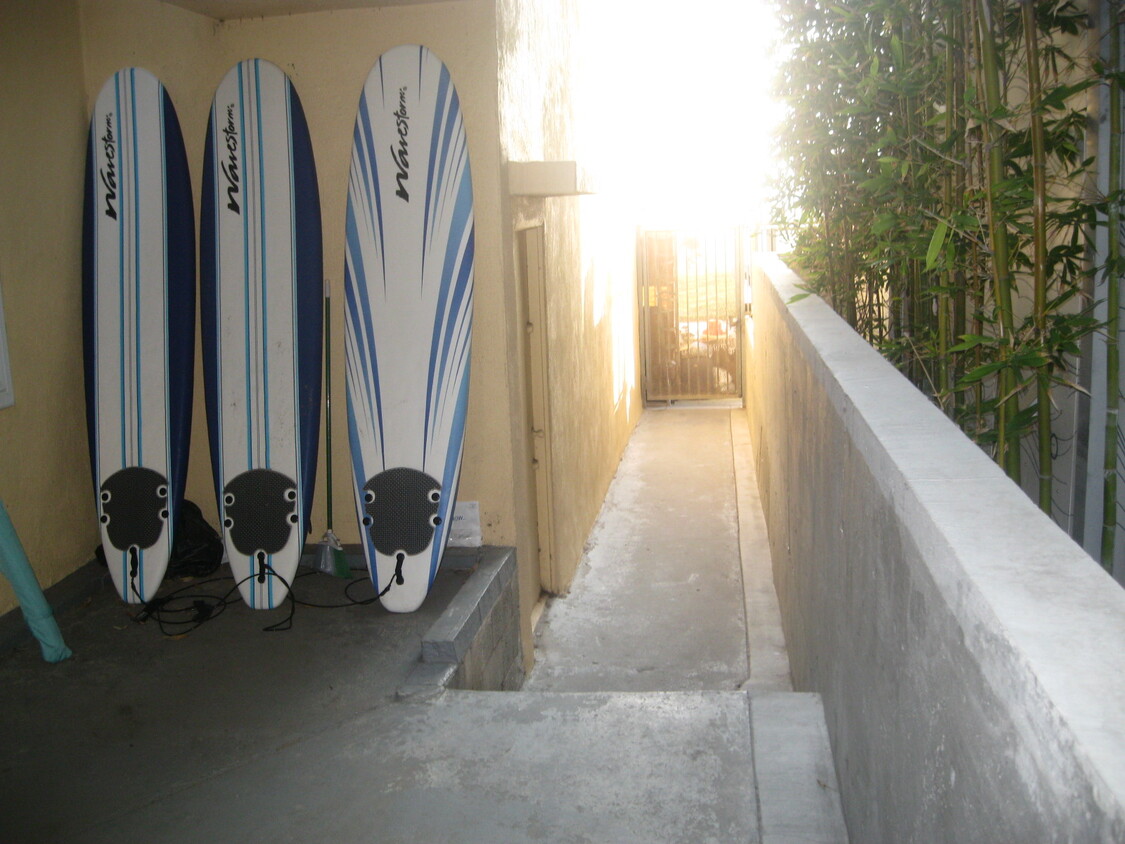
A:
232	9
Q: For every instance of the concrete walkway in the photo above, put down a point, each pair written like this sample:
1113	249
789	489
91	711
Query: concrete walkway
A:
661	600
676	594
659	711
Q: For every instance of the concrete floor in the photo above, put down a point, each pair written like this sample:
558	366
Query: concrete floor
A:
656	713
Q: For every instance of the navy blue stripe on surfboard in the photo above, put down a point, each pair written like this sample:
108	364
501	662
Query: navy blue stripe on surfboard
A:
367	359
371	173
308	265
361	312
180	306
208	301
442	111
89	306
455	280
452	474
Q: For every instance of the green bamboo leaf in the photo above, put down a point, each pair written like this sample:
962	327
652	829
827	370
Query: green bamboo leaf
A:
982	372
935	244
970	341
896	51
1057	96
884	223
1028	360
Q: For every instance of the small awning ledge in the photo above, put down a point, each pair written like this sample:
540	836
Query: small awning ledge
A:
548	178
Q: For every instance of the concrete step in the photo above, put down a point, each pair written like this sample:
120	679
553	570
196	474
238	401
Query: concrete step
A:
798	794
486	766
526	767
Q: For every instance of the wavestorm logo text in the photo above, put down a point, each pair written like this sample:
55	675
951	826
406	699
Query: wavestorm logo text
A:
399	153
230	166
108	173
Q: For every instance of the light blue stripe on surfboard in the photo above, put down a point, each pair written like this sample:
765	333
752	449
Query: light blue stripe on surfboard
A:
137	350
263	251
138	415
246	278
122	266
264	303
246	289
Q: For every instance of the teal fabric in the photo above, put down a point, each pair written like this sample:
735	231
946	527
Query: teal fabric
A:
36	611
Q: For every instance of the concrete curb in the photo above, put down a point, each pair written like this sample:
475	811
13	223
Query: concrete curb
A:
471	644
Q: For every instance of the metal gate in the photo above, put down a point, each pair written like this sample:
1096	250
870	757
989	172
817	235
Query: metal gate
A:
691	304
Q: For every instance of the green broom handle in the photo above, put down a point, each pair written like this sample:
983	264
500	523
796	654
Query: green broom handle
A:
328	397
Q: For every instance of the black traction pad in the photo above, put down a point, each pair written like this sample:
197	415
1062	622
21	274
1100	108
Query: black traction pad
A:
260	511
134	507
401	506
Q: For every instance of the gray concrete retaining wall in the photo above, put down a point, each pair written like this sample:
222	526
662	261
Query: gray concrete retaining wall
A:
970	656
475	643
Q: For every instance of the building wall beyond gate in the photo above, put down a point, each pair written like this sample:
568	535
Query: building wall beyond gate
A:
968	652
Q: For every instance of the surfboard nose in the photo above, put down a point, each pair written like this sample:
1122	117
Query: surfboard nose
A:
401	507
260	511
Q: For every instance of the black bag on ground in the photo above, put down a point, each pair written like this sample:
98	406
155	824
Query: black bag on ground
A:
198	549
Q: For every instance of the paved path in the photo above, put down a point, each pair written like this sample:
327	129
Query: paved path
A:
657	604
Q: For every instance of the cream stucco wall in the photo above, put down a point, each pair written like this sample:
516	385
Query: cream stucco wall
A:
590	277
44	462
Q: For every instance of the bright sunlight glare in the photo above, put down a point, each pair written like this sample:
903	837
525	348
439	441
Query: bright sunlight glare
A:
677	114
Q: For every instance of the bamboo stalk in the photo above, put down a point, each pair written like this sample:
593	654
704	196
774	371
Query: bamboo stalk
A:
1039	246
960	153
943	327
1008	453
1113	326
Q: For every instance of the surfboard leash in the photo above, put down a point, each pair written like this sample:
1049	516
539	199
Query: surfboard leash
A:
188	608
397	578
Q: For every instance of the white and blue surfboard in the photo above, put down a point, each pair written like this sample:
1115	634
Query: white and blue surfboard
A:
260	308
138	284
409	299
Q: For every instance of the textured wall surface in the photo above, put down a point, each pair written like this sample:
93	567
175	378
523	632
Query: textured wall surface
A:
589	284
968	652
44	461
